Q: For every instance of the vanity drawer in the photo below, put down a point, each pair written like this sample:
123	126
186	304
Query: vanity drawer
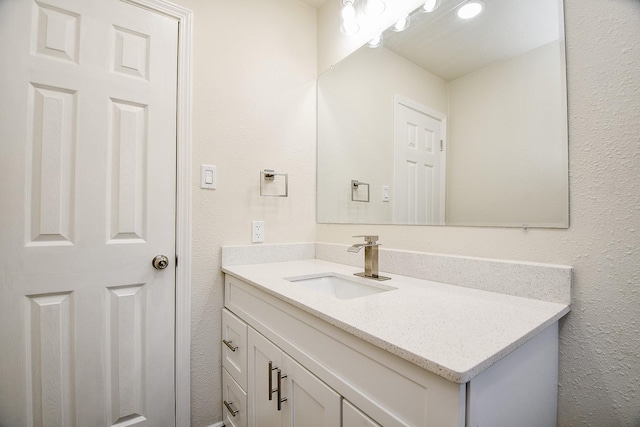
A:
234	402
234	347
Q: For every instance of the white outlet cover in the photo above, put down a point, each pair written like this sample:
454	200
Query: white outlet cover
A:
257	231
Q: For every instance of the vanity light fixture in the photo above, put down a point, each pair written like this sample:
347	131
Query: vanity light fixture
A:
402	24
374	7
470	10
376	41
349	23
430	5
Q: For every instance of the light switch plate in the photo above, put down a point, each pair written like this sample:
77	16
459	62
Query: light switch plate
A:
385	193
208	177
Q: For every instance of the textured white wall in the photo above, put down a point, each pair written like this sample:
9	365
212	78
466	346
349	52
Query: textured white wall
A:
600	338
254	108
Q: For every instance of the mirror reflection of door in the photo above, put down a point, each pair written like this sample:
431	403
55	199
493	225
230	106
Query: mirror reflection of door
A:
419	185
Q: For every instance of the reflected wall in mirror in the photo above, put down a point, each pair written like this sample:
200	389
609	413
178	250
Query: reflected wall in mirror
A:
451	122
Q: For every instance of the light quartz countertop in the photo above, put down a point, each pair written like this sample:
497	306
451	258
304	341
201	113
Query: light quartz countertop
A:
455	332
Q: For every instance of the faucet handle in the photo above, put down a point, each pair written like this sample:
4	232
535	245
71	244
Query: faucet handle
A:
369	238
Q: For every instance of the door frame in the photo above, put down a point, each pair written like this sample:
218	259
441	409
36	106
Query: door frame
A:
403	100
182	340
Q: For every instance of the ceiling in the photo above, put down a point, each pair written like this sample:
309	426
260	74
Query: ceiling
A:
313	3
450	47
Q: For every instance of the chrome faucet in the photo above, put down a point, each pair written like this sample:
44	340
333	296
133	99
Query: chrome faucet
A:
370	257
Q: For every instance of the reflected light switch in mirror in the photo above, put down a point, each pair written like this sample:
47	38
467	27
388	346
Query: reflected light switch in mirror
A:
385	193
208	177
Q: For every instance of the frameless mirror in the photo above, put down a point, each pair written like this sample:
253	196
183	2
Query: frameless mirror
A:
450	122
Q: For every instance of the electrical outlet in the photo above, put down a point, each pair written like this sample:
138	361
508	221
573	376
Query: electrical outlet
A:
257	231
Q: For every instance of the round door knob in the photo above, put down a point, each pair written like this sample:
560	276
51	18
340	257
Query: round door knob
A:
160	262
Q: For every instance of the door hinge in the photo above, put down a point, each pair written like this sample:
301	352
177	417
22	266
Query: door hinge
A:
176	260
441	145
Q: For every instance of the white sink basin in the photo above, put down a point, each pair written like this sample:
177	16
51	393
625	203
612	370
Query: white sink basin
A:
339	286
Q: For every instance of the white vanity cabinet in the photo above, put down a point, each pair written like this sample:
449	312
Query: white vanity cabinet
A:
334	378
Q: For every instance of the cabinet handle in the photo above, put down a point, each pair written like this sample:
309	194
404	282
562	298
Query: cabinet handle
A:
228	344
271	389
280	399
230	409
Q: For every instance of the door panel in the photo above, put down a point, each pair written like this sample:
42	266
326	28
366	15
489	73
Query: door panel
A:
51	167
127	170
51	357
127	353
87	183
419	165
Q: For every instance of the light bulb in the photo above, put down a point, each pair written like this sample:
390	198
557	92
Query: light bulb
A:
376	41
470	10
348	11
430	5
374	7
402	24
349	24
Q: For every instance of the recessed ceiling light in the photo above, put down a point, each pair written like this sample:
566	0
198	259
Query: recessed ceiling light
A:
470	10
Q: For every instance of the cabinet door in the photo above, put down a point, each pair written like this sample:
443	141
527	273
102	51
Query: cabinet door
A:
264	361
310	402
234	400
353	417
234	347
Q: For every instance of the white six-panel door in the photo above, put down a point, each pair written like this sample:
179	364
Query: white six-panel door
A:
87	186
419	183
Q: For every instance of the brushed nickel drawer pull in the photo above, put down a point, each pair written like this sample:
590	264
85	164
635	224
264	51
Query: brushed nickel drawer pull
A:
280	399
271	389
228	344
230	409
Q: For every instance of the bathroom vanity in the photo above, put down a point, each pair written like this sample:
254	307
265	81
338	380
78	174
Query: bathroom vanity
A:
410	352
